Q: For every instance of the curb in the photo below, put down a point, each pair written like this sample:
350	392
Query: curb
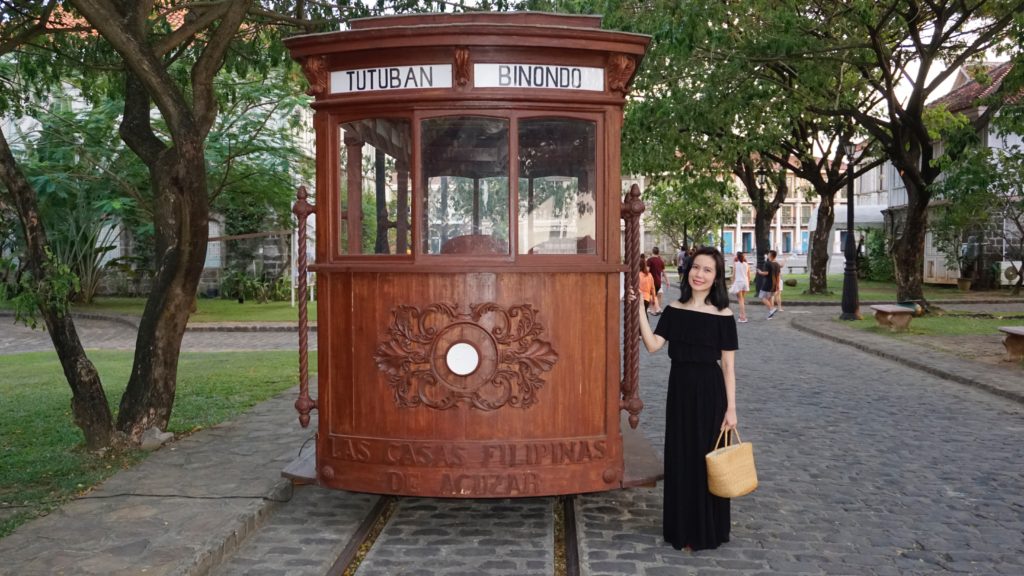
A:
245	328
1015	395
205	560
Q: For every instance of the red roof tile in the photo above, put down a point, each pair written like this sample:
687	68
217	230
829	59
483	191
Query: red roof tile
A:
968	95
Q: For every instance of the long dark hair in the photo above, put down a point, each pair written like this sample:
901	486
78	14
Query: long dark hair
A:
718	296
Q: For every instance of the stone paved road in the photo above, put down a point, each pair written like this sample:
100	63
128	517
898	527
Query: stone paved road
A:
303	536
865	467
428	536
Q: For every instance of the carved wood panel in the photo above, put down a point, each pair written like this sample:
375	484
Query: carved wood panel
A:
487	358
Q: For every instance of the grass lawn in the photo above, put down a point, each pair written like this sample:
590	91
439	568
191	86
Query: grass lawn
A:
43	462
209	310
869	291
945	324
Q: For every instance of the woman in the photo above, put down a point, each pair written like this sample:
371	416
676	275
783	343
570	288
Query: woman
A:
740	283
701	333
646	284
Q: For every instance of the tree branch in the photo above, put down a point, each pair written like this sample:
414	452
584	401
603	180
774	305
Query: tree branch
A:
204	104
11	43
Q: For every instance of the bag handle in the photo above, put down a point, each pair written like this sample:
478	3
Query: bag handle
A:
728	438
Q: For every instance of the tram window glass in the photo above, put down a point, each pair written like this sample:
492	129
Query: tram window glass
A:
375	155
465	195
557	204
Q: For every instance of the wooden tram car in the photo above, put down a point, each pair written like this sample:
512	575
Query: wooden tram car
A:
468	255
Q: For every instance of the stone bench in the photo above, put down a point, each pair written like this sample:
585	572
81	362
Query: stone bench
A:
1014	342
803	269
892	316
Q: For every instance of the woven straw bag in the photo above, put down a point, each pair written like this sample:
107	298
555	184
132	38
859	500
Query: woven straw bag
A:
731	471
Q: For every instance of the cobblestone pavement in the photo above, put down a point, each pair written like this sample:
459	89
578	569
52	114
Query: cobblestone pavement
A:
302	537
865	467
428	536
114	335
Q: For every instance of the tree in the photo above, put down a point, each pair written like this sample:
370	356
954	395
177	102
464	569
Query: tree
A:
47	281
729	87
683	207
905	50
164	59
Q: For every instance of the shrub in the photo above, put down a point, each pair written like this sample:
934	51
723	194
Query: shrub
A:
877	260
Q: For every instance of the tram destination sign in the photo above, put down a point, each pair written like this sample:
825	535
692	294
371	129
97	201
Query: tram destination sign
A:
538	76
391	78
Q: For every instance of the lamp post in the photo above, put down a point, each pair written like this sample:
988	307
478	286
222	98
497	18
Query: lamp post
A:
762	184
851	302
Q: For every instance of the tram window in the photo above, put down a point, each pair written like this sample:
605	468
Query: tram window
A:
557	204
375	155
466	190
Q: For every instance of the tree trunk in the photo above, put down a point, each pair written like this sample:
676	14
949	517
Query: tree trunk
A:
177	171
181	217
89	405
821	241
908	249
762	234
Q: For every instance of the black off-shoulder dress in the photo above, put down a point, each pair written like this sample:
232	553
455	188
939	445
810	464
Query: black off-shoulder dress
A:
693	418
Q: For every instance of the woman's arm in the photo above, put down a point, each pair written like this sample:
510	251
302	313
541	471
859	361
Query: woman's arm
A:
729	372
652	341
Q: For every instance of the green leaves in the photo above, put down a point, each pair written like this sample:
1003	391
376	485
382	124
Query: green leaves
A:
53	290
691	206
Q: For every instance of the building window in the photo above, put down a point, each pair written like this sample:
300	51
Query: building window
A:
787	215
747	216
805	214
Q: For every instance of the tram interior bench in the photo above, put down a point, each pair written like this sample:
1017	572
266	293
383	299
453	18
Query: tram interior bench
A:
893	316
1014	342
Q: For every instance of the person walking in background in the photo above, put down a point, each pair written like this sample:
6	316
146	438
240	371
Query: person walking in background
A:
657	267
701	334
682	261
740	283
769	274
778	287
646	284
778	291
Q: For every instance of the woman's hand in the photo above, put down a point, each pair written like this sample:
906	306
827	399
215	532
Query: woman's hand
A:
729	422
630	294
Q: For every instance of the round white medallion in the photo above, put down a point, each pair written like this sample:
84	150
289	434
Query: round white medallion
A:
462	359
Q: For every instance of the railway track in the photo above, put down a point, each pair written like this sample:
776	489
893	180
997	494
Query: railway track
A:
366	540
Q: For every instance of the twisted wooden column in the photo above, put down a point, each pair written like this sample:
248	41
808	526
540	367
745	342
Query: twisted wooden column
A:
302	209
632	208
